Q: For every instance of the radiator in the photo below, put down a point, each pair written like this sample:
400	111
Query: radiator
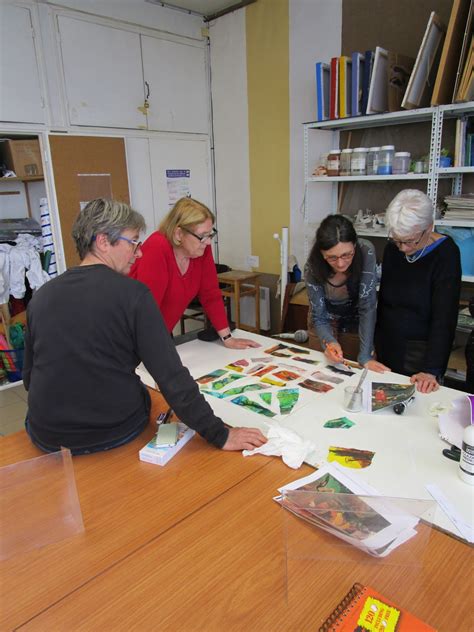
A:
247	309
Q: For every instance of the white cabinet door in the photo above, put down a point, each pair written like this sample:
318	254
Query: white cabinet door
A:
103	74
20	91
172	155
177	77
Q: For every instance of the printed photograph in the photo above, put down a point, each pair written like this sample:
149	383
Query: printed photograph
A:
340	422
219	384
210	377
384	395
340	369
266	369
286	376
306	360
350	457
348	514
319	375
254	407
287	398
316	387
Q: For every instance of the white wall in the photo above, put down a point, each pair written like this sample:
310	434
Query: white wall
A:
315	35
231	137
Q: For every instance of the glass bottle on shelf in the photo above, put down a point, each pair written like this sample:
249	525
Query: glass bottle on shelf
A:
372	161
334	160
359	161
345	166
385	160
401	162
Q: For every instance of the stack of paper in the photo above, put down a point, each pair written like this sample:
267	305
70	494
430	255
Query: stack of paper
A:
459	206
350	510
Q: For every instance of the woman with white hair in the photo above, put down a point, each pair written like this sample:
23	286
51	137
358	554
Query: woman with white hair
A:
419	293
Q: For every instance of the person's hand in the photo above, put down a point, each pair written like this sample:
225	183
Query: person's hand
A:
378	367
244	439
240	343
333	352
425	382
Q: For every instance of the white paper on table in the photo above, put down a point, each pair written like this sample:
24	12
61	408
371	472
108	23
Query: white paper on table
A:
466	530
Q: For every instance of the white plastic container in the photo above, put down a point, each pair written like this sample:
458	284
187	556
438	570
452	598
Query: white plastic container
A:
359	161
466	464
345	166
385	160
401	162
372	160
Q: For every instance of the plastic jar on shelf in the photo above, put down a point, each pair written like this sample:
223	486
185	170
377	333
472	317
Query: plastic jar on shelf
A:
345	166
334	160
385	160
372	160
359	161
401	162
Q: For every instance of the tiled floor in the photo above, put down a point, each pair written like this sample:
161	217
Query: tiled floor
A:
12	410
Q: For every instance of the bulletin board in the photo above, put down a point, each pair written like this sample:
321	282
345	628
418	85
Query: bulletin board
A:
84	168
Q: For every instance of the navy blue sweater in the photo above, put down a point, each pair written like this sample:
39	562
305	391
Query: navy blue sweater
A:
418	302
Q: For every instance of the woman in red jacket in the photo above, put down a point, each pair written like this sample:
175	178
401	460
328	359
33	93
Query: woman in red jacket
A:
177	265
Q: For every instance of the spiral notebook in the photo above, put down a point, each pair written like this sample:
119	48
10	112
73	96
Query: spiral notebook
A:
363	609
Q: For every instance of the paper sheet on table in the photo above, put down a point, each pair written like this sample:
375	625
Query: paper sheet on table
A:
286	443
452	423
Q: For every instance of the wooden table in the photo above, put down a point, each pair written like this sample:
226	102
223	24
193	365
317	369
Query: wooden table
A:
224	561
199	545
125	505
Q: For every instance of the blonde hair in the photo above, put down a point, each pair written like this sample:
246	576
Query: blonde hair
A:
409	211
186	213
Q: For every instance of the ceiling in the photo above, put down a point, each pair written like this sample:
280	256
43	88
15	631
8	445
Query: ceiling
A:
204	7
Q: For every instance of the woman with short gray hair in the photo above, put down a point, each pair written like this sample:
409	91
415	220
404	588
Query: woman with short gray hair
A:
108	217
419	293
88	329
410	211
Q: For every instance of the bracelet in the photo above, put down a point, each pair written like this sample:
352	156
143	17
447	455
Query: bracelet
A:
224	338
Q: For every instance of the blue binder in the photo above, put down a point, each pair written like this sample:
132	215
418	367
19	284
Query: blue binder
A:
358	64
322	91
369	60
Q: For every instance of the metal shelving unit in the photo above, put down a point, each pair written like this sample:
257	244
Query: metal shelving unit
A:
435	115
407	176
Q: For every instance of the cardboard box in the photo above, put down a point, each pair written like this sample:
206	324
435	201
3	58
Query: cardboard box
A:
22	156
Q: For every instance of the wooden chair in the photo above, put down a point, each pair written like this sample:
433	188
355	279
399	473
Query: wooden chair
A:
239	283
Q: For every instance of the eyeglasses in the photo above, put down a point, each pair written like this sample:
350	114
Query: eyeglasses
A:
201	238
409	242
346	256
134	242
